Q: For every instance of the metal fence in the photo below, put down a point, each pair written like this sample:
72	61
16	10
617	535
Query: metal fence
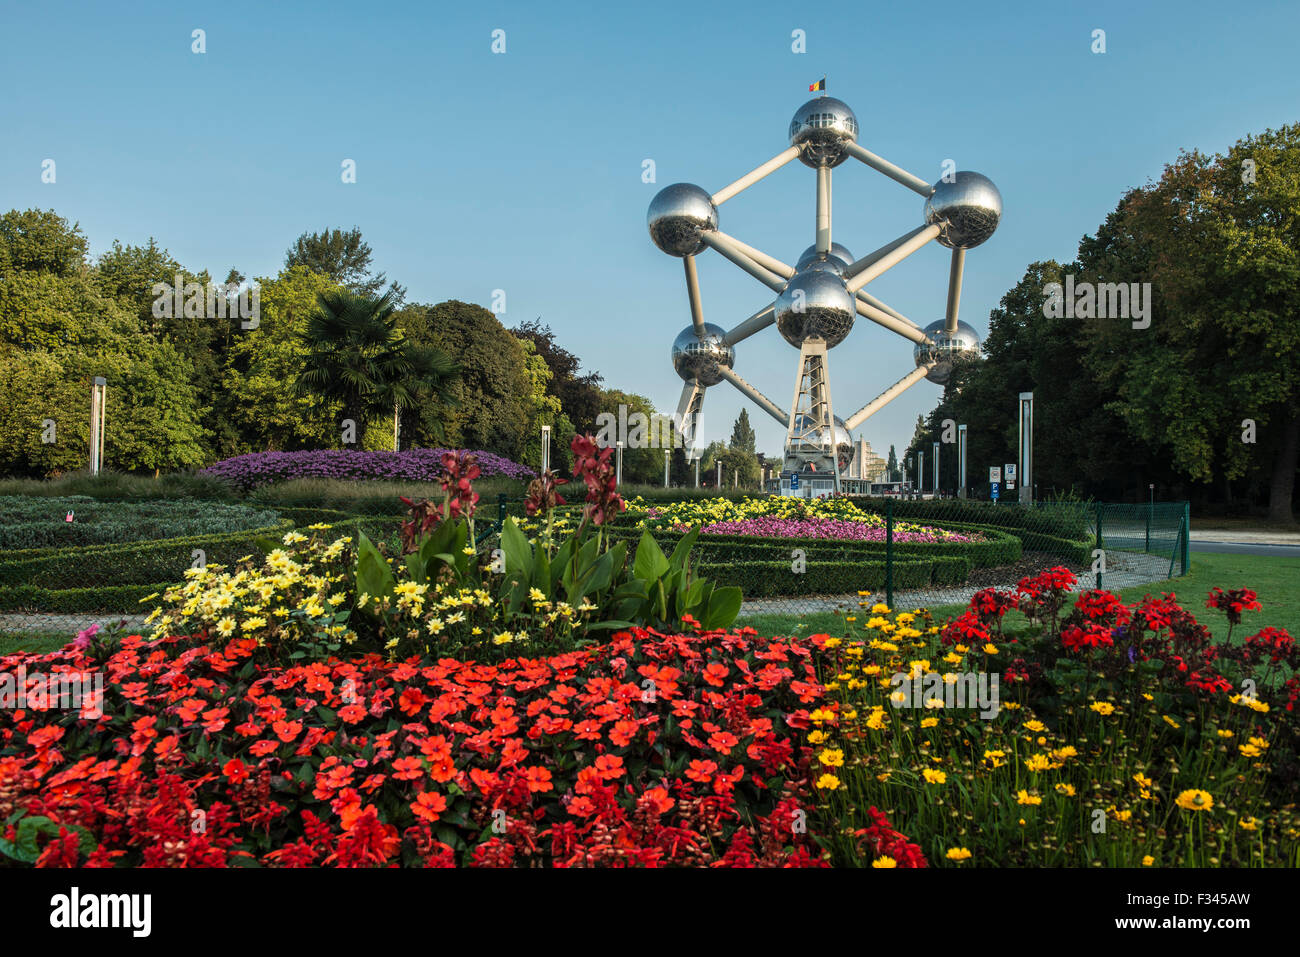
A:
917	553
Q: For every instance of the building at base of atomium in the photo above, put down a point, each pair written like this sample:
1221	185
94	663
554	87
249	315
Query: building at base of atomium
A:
819	298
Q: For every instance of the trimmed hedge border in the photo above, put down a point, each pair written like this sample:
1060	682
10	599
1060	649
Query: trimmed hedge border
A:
114	598
762	579
130	563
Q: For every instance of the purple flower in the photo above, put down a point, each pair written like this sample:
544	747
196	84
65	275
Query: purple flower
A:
256	469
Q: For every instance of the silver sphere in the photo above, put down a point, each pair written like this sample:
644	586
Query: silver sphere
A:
822	127
962	345
678	215
968	209
698	357
817	439
837	261
815	303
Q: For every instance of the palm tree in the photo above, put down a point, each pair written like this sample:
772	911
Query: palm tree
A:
358	358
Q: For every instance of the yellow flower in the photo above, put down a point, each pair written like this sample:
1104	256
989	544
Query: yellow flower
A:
885	861
929	722
503	638
957	854
990	649
1038	762
816	737
1248	823
1024	797
995	757
254	623
832	758
876	720
880	608
1249	750
934	777
1035	726
226	627
1066	789
1171	722
1102	708
828	782
1259	743
1195	800
1148	860
1224	734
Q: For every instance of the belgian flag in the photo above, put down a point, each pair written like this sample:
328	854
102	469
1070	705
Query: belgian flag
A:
819	85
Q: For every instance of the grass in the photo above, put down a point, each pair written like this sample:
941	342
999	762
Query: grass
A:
1275	580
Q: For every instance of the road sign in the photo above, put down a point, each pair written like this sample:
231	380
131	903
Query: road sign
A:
794	482
1010	473
1011	486
995	474
995	491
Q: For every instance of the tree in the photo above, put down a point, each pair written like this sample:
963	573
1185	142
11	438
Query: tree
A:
579	395
342	256
892	465
358	358
544	409
489	406
743	438
41	241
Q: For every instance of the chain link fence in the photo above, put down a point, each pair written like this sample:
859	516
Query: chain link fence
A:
66	562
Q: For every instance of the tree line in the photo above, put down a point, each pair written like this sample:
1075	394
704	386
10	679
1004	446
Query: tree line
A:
1200	394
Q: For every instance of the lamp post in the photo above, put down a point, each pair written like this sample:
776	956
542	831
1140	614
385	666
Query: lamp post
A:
666	455
618	463
961	461
98	403
546	448
920	473
936	469
1026	448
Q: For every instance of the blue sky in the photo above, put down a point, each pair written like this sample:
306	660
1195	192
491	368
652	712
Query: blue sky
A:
522	171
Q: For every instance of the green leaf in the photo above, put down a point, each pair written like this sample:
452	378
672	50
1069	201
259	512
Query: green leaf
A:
374	576
518	553
649	562
724	606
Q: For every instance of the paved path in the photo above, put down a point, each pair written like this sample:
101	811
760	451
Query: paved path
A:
1245	537
1246	548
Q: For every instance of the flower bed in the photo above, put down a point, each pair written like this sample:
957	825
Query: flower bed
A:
413	465
651	750
32	522
784	517
1115	735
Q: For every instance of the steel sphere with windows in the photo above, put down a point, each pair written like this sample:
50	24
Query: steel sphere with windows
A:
815	303
678	217
696	358
804	426
836	261
968	210
948	349
821	128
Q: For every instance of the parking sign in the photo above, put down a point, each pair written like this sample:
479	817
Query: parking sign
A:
1010	472
995	474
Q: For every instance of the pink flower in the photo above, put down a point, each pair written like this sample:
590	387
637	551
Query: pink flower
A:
82	641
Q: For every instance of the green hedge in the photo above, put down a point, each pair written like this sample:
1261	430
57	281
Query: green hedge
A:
762	579
28	522
1067	520
120	599
131	563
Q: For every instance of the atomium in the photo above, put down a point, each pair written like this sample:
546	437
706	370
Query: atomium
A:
835	260
968	210
821	128
679	215
696	358
815	304
945	350
818	299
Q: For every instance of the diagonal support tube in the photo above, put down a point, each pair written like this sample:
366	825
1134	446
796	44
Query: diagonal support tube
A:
910	244
755	323
903	327
823	209
914	183
763	402
734	250
754	175
886	397
871	300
